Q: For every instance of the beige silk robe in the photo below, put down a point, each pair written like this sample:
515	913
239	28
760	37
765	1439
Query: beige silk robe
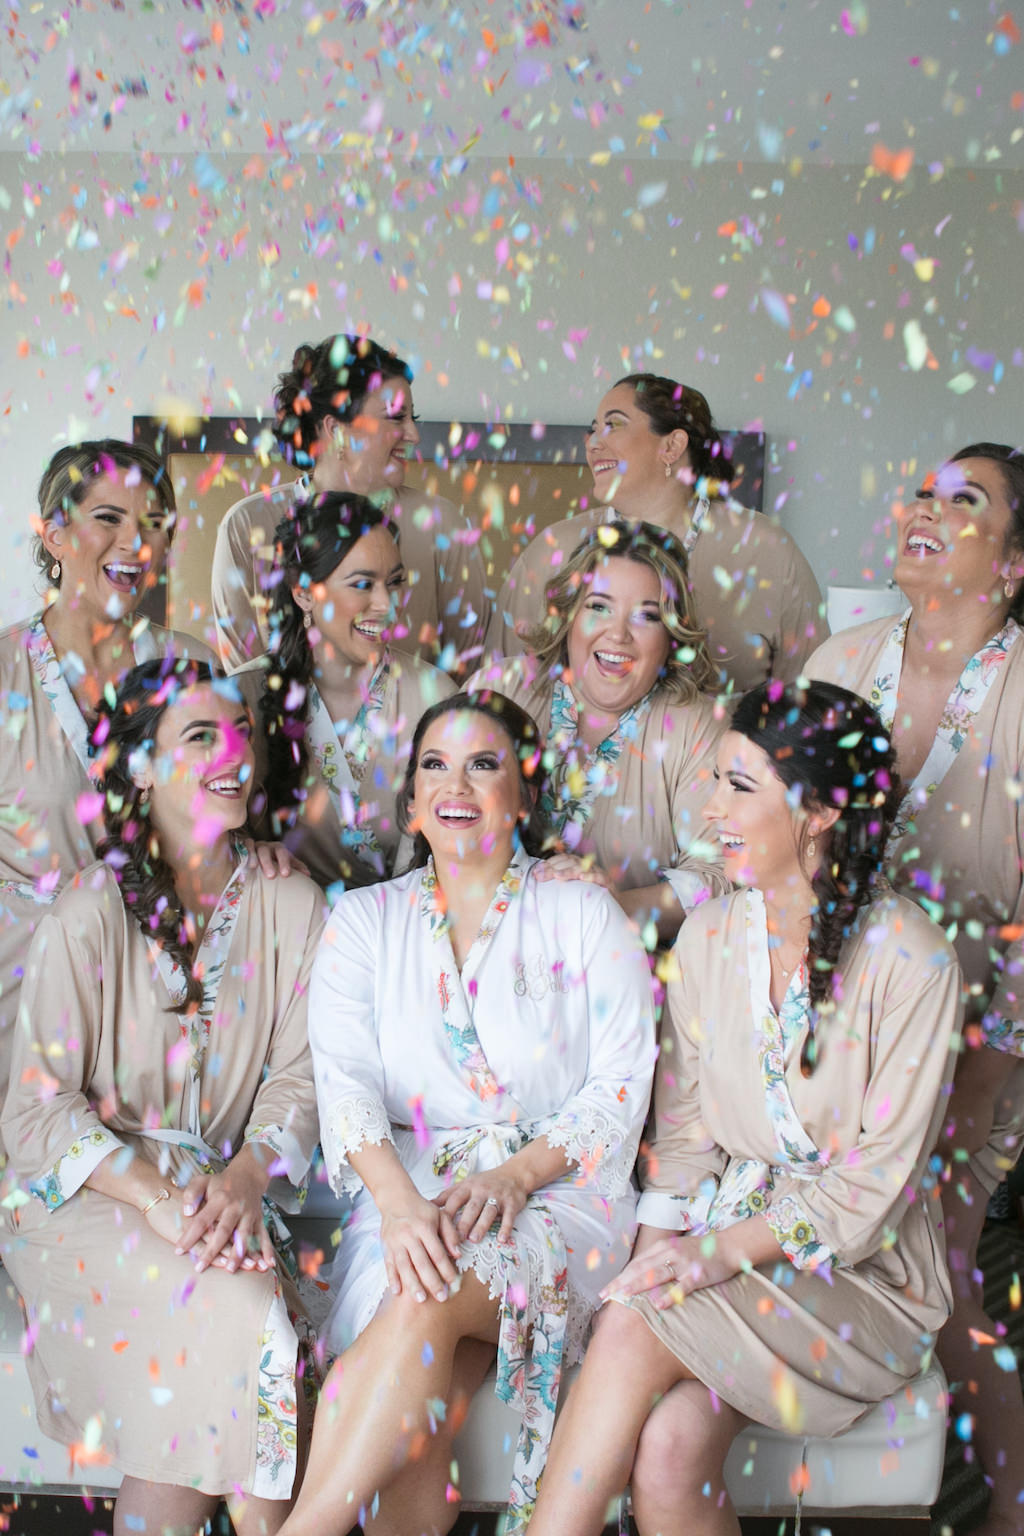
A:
754	592
123	1332
446	610
411	687
648	817
845	1318
49	824
961	858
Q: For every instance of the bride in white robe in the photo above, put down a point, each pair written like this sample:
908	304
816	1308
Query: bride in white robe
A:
483	1047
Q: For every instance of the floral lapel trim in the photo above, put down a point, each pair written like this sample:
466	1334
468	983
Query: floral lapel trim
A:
578	777
964	703
456	1009
212	957
777	1033
699	521
342	764
51	679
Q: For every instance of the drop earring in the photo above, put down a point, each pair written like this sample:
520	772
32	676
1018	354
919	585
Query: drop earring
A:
1008	589
668	471
307	621
812	847
144	795
55	571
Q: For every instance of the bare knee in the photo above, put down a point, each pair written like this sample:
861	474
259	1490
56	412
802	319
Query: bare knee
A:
683	1445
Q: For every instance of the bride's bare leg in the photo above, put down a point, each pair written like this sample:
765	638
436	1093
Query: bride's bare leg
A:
415	1504
625	1371
677	1483
376	1401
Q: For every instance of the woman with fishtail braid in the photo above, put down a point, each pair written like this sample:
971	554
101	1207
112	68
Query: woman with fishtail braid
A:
788	1268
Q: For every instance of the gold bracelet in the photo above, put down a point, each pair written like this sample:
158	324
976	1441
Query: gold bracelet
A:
161	1194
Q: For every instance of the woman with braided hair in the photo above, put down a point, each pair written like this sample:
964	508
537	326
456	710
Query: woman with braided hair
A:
161	1076
338	706
788	1268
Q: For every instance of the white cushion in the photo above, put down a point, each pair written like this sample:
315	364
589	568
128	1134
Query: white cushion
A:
893	1456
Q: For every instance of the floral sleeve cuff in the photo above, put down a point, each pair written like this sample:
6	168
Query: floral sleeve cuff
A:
349	1124
676	1213
289	1157
796	1234
689	888
1003	1034
70	1172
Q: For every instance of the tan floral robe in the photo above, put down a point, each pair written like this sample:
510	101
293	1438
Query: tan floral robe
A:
341	835
961	848
835	1162
134	1359
49	810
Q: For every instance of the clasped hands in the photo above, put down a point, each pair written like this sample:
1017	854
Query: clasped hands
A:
422	1238
218	1218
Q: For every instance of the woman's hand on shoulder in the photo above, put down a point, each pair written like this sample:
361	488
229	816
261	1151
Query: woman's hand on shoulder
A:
420	1247
569	866
668	1266
476	1203
273	859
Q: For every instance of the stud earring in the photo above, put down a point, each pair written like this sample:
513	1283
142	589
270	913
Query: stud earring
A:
55	571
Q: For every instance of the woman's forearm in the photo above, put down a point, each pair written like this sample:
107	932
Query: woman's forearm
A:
380	1169
124	1175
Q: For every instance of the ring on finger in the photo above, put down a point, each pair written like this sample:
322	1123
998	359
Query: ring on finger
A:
490	1200
670	1266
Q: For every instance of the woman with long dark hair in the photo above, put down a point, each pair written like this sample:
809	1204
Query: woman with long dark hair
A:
656	456
483	1047
337	703
161	1075
788	1269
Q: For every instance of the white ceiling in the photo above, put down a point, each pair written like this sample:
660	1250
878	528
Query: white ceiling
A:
689	80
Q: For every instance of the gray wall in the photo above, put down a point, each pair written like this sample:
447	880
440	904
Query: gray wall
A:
141	282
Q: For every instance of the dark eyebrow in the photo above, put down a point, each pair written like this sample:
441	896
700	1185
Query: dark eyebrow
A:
738	773
243	716
373	574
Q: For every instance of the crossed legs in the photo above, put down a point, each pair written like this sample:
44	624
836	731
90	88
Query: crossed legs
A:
635	1414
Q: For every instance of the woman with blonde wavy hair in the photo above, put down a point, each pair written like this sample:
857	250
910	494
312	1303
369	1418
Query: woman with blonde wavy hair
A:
614	678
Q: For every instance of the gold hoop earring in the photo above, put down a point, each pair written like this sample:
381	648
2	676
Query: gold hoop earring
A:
55	571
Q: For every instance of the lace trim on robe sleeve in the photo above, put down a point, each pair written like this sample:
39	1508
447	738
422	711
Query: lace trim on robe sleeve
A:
593	1140
797	1235
350	1123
